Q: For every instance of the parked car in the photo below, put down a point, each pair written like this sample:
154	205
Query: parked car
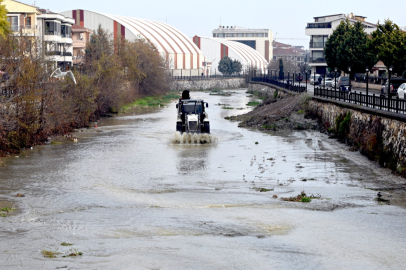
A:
313	77
402	91
344	84
328	82
394	85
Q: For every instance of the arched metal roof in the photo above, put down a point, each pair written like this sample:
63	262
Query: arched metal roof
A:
217	48
176	47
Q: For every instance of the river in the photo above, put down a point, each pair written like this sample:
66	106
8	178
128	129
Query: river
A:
128	197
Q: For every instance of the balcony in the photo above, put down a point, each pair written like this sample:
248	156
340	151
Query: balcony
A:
27	30
316	45
319	25
78	43
318	60
53	53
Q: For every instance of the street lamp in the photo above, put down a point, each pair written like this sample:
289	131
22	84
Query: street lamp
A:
349	71
389	77
335	79
288	77
367	71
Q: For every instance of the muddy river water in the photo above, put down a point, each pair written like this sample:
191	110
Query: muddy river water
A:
129	197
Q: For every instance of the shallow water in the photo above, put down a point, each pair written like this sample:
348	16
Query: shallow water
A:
129	195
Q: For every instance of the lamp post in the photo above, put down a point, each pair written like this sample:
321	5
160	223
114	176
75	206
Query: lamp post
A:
367	71
389	77
335	79
349	71
306	80
288	77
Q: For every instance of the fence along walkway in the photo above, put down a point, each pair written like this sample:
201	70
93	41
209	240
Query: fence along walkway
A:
287	86
380	102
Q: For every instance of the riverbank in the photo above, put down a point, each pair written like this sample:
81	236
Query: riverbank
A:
380	136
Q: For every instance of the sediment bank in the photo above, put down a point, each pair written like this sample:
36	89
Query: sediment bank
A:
208	84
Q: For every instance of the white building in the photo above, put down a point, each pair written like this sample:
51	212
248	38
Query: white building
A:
181	54
215	49
320	30
56	32
258	39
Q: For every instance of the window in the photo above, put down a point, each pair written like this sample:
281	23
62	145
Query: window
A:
52	28
240	35
250	43
220	35
318	41
66	31
266	34
13	23
260	35
249	35
214	35
229	35
28	21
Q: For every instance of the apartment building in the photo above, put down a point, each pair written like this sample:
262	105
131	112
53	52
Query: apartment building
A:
294	54
320	29
80	39
258	39
22	18
56	32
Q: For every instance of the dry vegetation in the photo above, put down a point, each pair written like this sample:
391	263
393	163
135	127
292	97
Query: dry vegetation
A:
33	106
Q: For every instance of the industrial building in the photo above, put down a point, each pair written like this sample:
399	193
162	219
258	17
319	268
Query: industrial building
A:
183	57
258	39
214	49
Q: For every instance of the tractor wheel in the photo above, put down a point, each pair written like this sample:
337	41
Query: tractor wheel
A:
206	128
179	127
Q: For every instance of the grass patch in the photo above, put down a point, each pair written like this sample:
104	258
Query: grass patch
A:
56	143
302	197
228	108
73	253
66	244
267	126
253	103
151	101
7	209
261	189
300	112
50	253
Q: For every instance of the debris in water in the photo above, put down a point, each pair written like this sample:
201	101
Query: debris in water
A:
193	138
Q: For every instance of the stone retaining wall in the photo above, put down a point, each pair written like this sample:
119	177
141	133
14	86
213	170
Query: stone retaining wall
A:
381	136
209	84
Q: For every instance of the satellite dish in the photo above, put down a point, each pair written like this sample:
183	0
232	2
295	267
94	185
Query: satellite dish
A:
59	74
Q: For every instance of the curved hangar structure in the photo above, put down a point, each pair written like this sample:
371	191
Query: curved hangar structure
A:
214	49
182	55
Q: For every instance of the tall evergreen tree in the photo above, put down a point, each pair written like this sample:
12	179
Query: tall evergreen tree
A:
347	47
228	66
4	24
388	43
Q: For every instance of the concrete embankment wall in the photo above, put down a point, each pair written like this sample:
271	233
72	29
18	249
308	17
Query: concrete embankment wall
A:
377	134
209	84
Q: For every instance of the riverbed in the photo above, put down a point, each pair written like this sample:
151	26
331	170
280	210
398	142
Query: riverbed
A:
128	196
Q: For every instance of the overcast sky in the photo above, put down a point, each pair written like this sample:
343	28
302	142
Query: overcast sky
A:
287	19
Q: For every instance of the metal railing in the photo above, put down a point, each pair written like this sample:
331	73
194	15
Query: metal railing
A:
288	85
319	25
316	44
380	102
18	28
210	77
